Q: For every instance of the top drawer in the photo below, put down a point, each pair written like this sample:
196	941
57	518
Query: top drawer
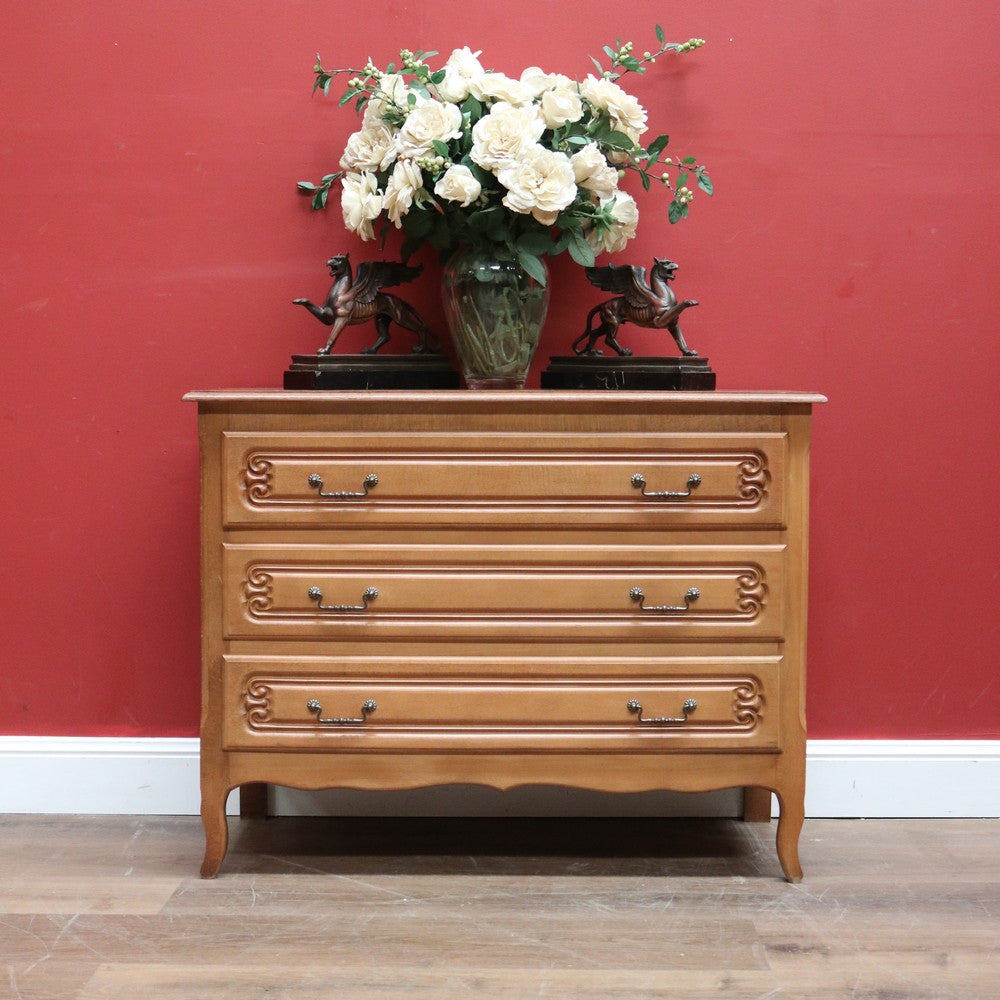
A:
627	480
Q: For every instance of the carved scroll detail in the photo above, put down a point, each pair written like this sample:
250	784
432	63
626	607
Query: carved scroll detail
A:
257	591
751	594
256	478
257	703
754	479
748	703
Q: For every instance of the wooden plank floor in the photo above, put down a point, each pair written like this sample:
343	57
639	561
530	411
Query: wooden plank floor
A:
594	909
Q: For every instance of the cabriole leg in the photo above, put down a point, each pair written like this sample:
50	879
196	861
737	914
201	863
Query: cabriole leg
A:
213	818
789	827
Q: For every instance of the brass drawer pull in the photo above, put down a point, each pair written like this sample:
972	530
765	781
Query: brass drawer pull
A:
636	593
687	708
369	482
366	709
315	594
693	481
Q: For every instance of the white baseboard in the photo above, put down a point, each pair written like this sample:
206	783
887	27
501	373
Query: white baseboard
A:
845	778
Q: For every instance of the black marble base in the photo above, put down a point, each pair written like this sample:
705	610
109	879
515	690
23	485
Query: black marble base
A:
586	371
370	371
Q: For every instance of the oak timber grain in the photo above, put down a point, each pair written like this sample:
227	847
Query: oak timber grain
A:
505	522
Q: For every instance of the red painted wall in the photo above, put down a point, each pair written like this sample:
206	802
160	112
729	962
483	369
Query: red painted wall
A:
152	240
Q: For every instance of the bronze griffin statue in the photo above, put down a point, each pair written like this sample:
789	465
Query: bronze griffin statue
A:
645	303
351	301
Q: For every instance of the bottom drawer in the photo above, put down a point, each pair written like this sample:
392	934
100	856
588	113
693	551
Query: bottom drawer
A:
730	706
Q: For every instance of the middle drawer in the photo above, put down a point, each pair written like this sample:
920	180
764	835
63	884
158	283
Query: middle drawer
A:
698	592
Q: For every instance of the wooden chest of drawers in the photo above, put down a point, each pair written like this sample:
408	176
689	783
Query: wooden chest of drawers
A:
597	589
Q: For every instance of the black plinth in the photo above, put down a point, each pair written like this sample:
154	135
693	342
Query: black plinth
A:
370	371
586	371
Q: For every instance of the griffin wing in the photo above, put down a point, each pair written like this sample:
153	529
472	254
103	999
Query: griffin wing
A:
375	275
625	279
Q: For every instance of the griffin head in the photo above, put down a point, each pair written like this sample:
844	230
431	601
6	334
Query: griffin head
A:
664	268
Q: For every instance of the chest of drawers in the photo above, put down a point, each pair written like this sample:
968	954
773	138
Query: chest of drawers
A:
600	590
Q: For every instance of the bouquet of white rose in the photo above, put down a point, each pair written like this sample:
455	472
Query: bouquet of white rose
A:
468	157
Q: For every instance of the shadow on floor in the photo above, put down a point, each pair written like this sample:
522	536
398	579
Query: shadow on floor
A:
511	846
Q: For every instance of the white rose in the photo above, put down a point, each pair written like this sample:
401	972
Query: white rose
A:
561	104
593	172
625	217
460	71
406	180
498	87
458	184
428	122
626	113
392	93
367	149
538	81
499	137
539	182
360	201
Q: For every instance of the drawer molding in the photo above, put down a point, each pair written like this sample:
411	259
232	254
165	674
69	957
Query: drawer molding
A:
272	704
259	593
257	480
730	479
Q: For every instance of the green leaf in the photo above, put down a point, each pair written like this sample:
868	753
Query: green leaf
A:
690	160
562	243
580	250
536	242
438	77
674	213
532	266
319	199
306	186
600	68
441	148
618	140
440	235
609	52
478	222
645	180
682	179
418	224
409	248
473	108
657	146
578	140
704	182
348	95
660	36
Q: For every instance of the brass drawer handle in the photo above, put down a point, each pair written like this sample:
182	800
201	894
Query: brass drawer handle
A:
636	593
693	481
315	594
687	708
366	709
369	482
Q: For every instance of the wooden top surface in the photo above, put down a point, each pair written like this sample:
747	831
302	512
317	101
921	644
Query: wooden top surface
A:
528	399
